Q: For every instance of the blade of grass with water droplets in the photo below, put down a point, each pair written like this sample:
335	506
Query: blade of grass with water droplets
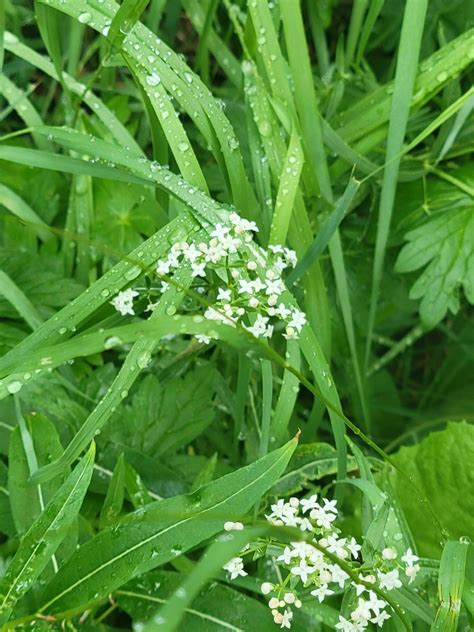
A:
19	300
452	570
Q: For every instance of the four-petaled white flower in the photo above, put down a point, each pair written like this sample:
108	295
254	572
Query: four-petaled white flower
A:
235	567
322	592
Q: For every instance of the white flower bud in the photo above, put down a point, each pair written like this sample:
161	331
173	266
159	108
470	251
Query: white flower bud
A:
254	302
294	502
272	300
289	597
298	603
252	265
274	603
323	542
270	274
389	554
282	603
266	588
235	273
278	618
325	577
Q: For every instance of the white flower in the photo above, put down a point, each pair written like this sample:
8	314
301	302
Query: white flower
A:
123	302
353	547
298	320
323	519
311	502
266	588
192	253
336	545
245	287
235	568
220	231
410	558
380	618
375	603
290	333
338	575
224	295
363	612
274	603
286	620
389	554
305	524
322	592
346	626
162	267
411	572
289	597
281	510
390	580
261	327
330	505
164	287
282	311
287	555
303	570
204	340
233	526
274	287
198	269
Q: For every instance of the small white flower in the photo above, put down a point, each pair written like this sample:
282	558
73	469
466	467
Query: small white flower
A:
303	570
336	545
298	320
286	621
363	612
224	295
411	572
322	592
330	505
380	618
287	555
375	603
305	525
338	575
309	503
191	253
123	302
245	287
162	267
353	547
410	558
164	287
198	269
346	626
235	567
275	287
220	232
390	580
323	519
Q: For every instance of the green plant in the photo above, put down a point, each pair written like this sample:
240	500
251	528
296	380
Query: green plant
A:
212	324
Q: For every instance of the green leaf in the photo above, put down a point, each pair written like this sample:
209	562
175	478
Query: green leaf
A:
445	244
115	495
45	535
166	415
159	532
441	468
216	608
452	570
24	498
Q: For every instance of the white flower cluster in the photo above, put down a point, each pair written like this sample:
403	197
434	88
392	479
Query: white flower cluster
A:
252	279
311	566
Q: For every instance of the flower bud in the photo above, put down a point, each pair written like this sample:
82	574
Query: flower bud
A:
266	588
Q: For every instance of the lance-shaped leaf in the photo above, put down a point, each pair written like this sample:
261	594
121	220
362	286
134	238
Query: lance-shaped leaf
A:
159	532
45	535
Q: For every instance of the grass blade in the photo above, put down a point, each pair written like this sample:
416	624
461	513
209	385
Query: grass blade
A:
450	585
409	49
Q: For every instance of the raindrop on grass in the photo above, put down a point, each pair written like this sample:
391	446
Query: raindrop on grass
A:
85	18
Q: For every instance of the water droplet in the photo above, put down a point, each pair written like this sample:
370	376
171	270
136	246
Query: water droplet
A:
14	387
171	310
153	79
183	146
113	341
105	293
143	359
85	18
442	76
62	330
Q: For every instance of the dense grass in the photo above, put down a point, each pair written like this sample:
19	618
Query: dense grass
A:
163	164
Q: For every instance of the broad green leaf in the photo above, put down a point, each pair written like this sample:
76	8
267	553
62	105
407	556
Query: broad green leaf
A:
45	535
159	532
24	498
216	608
441	468
445	244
